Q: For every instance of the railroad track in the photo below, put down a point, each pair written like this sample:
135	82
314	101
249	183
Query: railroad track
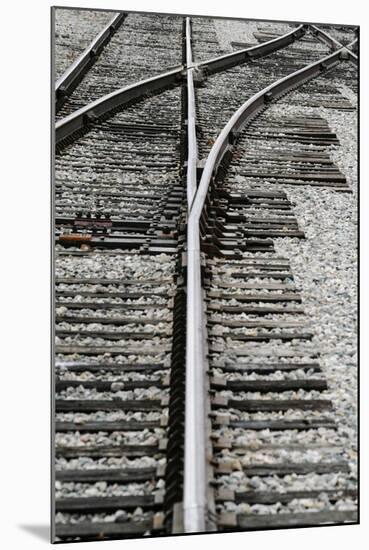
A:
116	57
186	374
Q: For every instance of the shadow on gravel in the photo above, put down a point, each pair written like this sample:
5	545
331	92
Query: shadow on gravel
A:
40	531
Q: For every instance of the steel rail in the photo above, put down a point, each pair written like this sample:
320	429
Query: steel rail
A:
194	489
191	122
75	72
323	36
229	60
102	106
195	344
194	502
354	45
249	109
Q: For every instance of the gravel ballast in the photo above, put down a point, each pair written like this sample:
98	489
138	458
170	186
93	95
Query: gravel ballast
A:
281	324
74	30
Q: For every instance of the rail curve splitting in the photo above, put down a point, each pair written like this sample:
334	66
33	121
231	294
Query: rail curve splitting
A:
76	71
168	282
196	342
105	105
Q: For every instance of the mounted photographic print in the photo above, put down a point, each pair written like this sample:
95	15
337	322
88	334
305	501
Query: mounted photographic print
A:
205	274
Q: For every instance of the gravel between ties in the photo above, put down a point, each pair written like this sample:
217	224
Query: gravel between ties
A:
325	267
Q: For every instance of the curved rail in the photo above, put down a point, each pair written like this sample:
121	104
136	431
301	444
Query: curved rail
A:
102	106
242	56
247	110
195	341
75	72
